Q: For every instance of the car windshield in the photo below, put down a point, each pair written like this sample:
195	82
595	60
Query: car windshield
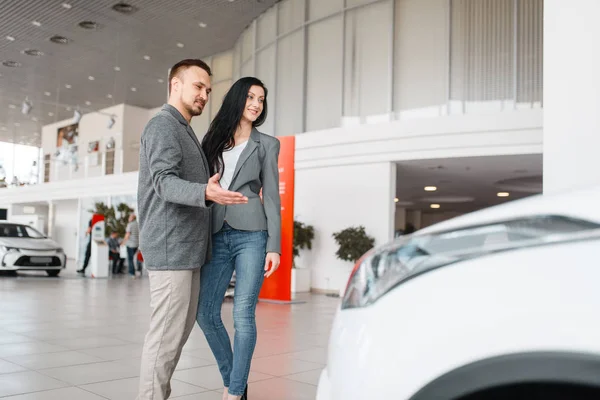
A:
19	231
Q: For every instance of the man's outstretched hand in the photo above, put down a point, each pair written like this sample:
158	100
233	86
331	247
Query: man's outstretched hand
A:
214	192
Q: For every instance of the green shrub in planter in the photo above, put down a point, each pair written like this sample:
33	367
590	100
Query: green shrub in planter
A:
303	237
353	243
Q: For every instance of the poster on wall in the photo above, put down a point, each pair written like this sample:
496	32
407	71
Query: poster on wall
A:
66	145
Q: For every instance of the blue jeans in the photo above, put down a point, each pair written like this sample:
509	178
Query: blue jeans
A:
130	256
244	252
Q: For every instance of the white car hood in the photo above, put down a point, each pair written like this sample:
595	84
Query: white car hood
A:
29	243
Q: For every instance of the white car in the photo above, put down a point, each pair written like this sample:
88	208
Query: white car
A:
24	248
503	303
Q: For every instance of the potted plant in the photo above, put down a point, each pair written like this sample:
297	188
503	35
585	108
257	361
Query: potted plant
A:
303	237
353	243
112	220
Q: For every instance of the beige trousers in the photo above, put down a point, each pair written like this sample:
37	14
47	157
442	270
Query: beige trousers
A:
174	302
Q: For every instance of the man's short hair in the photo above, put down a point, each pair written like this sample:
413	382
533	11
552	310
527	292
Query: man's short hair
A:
185	64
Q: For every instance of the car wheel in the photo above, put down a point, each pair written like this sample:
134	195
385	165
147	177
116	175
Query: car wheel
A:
53	272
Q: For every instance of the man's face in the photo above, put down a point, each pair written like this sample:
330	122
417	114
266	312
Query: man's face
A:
194	88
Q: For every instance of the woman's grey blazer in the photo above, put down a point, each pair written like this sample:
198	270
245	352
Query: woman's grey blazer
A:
256	169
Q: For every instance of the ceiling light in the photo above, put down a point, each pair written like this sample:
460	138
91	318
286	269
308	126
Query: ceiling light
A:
180	45
117	68
109	96
91	78
503	194
124	8
160	80
68	108
76	116
36	23
430	188
66	5
3	128
88	25
396	200
202	25
88	103
34	119
434	206
59	39
12	106
147	58
11	64
17	124
68	86
50	114
47	93
33	52
134	89
10	38
26	107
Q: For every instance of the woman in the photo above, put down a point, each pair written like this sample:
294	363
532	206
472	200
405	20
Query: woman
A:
246	237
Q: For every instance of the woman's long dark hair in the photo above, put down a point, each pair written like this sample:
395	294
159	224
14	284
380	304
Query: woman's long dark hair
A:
220	135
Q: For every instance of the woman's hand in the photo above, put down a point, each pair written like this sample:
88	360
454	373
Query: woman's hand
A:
271	263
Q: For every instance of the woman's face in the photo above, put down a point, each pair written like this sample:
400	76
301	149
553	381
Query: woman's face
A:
254	103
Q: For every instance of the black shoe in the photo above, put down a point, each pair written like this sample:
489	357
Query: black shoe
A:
81	271
245	395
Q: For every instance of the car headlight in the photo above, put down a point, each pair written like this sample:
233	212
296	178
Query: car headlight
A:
381	270
6	249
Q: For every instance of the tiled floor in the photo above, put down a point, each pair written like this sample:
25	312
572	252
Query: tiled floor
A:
73	338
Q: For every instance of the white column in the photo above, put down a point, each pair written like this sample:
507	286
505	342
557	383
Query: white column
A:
571	94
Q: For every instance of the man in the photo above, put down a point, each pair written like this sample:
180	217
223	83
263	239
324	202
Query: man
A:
174	196
132	242
88	248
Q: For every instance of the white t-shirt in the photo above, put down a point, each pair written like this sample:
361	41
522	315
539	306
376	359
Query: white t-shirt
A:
230	159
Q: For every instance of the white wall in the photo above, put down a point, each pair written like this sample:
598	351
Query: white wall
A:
65	226
335	198
134	121
571	95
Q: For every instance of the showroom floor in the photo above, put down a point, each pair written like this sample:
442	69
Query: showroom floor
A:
72	338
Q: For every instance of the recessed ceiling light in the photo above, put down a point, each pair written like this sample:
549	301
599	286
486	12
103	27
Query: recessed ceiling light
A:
47	93
36	23
124	8
147	58
180	45
50	114
160	80
11	64
68	108
109	96
88	25
134	89
10	38
66	5
202	25
3	128
12	106
59	39
434	206
91	78
68	86
33	52
17	124
430	188
88	103
503	194
34	119
117	68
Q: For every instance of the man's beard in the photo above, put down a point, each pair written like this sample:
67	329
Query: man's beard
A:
194	112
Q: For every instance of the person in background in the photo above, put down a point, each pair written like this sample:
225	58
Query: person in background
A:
132	241
113	252
88	249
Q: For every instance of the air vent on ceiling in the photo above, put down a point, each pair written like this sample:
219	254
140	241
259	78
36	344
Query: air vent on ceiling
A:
33	52
88	25
59	39
11	64
124	8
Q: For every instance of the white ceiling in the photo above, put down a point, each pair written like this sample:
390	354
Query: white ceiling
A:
476	177
155	29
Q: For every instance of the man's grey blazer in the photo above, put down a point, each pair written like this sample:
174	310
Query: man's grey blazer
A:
256	169
173	213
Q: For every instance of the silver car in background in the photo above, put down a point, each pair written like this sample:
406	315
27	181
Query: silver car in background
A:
23	248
